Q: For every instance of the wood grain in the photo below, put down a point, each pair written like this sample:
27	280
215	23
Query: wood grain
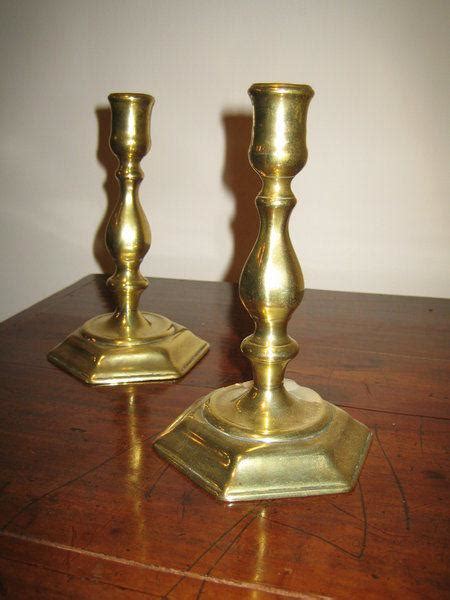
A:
88	510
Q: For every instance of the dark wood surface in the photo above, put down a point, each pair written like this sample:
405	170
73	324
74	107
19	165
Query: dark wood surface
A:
88	510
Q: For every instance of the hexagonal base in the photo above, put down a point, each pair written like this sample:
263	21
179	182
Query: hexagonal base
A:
100	361
244	467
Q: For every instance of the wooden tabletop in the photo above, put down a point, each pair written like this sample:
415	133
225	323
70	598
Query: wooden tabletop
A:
88	509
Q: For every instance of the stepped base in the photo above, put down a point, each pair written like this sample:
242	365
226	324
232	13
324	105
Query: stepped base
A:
325	457
101	359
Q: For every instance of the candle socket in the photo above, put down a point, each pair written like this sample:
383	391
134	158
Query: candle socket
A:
128	345
270	437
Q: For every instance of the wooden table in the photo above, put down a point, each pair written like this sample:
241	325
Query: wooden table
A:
88	510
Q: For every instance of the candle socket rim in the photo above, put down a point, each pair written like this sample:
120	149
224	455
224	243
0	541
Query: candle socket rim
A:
299	89
131	97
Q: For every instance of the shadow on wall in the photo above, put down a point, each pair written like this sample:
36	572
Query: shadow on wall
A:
238	177
244	183
109	162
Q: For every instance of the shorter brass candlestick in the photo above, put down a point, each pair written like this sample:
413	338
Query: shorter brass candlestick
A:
128	345
269	437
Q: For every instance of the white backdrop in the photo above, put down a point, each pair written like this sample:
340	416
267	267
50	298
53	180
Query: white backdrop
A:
373	212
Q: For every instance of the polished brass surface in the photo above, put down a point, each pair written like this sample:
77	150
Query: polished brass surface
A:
270	437
128	345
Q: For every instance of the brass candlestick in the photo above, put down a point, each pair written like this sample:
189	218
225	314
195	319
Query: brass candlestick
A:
270	437
127	345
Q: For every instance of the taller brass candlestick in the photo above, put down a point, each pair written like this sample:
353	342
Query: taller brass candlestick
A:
270	437
128	345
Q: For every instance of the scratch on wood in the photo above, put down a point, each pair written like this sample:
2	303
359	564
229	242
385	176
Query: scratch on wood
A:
397	481
150	490
71	577
210	547
185	501
361	520
342	510
158	568
24	508
364	511
319	537
222	554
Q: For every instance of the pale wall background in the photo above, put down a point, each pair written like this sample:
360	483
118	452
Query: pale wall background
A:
373	212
